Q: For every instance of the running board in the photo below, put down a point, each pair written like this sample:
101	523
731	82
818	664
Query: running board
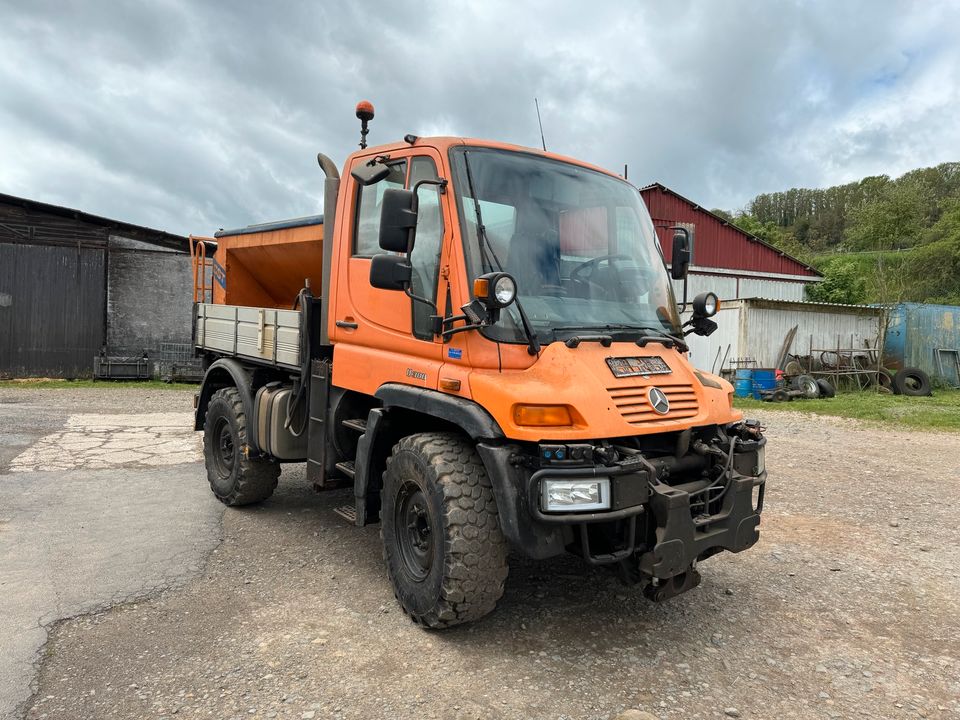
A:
348	513
358	424
347	468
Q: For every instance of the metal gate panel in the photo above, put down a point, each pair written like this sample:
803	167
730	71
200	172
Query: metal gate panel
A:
51	310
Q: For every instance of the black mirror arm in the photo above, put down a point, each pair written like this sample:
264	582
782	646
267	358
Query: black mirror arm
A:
462	328
441	184
425	301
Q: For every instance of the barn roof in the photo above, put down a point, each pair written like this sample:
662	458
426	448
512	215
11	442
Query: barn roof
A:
137	232
771	257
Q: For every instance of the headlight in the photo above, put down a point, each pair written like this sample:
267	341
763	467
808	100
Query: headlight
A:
575	495
505	290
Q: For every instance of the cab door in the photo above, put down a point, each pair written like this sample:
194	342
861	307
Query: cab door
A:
382	335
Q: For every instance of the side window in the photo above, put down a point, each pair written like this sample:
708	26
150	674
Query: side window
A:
425	257
366	241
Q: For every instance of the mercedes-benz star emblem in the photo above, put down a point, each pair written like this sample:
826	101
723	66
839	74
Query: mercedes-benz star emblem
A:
658	400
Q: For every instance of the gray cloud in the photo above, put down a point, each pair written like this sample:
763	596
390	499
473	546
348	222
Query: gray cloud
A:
189	117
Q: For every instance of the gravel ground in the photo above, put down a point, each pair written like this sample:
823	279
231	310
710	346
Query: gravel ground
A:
848	607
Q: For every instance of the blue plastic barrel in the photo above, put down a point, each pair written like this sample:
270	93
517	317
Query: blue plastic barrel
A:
764	380
743	382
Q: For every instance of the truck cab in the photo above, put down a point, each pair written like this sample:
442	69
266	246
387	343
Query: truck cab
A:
495	361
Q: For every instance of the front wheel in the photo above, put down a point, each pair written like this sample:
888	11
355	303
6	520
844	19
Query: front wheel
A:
445	554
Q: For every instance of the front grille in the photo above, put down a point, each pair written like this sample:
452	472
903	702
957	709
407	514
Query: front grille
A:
633	404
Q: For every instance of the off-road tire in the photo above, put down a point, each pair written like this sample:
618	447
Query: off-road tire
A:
435	486
827	389
234	478
912	382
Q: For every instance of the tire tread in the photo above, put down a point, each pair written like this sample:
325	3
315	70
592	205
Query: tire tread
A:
475	553
256	479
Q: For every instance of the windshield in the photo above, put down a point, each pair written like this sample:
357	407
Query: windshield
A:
580	244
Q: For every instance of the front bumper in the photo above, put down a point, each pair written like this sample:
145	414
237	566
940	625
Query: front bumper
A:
658	522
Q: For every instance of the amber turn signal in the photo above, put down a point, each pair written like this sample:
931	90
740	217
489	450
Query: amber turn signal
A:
542	415
449	384
481	288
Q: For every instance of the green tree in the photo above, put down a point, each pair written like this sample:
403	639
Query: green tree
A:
894	219
842	282
933	268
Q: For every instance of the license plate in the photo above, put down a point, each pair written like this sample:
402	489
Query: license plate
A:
622	367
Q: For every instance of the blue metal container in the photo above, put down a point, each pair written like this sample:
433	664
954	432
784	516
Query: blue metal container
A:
916	331
763	380
743	383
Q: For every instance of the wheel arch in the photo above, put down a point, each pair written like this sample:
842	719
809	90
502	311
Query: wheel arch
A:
227	372
407	410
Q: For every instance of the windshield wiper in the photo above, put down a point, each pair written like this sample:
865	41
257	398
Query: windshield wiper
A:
647	335
533	344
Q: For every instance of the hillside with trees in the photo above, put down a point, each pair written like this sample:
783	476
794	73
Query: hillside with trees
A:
875	240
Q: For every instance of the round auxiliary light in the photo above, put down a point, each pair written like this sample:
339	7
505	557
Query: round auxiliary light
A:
706	304
505	290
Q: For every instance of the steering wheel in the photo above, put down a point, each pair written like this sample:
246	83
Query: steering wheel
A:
579	269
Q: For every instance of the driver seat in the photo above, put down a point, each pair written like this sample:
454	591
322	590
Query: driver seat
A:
534	257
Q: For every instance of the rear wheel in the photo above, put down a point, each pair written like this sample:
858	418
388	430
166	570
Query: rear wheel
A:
445	554
235	478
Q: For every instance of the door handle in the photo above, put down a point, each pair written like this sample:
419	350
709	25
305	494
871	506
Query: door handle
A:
346	324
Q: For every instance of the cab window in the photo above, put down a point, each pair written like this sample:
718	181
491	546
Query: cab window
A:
366	241
425	257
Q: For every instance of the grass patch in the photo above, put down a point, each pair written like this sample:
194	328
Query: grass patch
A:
939	412
57	384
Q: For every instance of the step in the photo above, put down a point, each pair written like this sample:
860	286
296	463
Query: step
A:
358	424
347	468
348	513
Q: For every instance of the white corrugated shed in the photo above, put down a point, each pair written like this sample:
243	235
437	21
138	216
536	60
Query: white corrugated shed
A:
730	286
756	327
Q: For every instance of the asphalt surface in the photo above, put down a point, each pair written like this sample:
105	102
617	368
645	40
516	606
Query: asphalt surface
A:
848	607
73	539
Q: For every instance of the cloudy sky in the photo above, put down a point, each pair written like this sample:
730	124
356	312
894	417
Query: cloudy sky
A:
193	116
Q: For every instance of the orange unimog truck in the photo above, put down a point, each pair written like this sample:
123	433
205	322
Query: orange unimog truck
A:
482	341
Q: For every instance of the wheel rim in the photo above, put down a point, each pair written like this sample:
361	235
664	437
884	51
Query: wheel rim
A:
413	531
225	449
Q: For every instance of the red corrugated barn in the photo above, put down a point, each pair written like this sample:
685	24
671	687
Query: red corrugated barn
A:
726	260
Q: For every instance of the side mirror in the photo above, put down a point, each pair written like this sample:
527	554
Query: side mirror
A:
398	220
370	173
680	257
390	272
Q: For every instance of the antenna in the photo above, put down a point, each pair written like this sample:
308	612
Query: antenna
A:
540	123
625	176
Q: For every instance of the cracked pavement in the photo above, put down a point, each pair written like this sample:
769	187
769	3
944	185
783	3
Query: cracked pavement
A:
847	607
97	509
